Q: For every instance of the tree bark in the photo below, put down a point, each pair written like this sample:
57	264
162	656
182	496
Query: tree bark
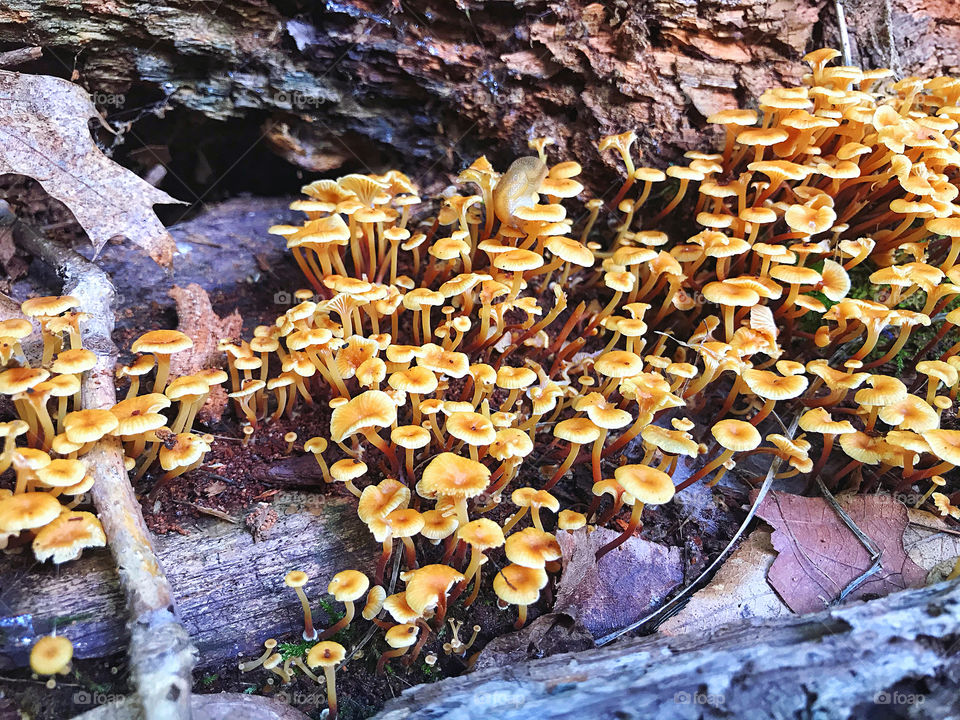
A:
366	83
890	657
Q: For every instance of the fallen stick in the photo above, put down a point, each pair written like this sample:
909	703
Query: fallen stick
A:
161	653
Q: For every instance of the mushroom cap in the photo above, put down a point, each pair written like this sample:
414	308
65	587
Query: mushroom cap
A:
571	520
942	371
730	294
83	426
61	385
863	447
510	443
20	379
74	361
771	386
519	585
295	578
399	609
348	585
374	603
187	386
67	536
910	413
513	378
371	409
16	328
646	484
186	449
481	534
426	585
471	427
400	523
26	511
676	442
818	420
438	524
571	251
377	501
348	469
48	305
945	444
402	636
517	260
51	654
411	437
577	430
417	379
884	390
325	654
531	547
619	364
736	435
453	476
162	342
61	473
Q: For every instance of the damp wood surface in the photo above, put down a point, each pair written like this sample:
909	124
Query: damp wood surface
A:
228	587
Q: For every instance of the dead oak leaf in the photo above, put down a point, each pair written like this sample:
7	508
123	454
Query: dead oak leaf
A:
818	555
44	135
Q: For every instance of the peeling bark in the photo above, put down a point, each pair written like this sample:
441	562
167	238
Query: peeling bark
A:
438	83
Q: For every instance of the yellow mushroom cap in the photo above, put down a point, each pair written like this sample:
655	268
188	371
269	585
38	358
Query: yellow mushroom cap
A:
471	427
453	476
51	654
49	305
483	534
26	511
348	469
571	520
736	435
399	609
426	585
83	426
67	536
646	484
401	636
162	342
531	547
348	585
325	654
438	524
374	603
295	578
519	585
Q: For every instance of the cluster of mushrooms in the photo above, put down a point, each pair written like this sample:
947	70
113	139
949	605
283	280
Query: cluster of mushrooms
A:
553	339
55	430
617	334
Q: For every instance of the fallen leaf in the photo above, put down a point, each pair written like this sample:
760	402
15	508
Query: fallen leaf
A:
738	591
547	635
202	325
818	555
44	135
628	583
929	541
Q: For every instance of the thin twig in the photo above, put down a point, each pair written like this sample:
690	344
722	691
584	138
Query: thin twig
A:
12	58
875	553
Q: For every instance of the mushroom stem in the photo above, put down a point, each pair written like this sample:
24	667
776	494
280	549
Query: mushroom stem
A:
163	372
388	655
706	469
309	632
521	617
627	532
384	558
562	470
330	675
341	623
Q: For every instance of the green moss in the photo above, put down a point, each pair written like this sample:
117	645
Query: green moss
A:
288	650
209	679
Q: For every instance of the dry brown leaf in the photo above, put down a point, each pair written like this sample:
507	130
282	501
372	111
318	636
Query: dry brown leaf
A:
818	555
929	541
738	591
202	325
44	135
628	583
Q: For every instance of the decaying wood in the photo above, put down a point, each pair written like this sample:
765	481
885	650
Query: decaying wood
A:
892	657
440	83
219	706
228	587
161	654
